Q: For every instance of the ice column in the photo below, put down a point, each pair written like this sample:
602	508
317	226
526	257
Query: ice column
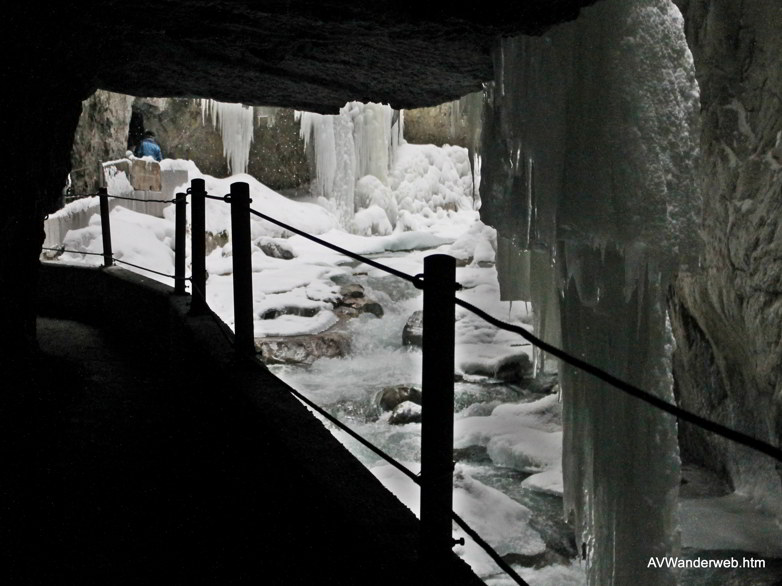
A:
235	122
361	140
588	159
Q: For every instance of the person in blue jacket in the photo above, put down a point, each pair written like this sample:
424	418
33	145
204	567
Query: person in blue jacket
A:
149	147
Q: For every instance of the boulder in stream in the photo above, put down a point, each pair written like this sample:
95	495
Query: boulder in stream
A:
353	302
275	248
390	397
406	412
303	349
413	332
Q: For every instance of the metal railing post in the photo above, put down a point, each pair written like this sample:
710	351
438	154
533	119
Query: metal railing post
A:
437	410
198	245
244	341
180	232
105	225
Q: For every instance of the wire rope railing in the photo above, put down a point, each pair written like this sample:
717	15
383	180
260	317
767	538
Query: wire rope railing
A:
439	285
63	250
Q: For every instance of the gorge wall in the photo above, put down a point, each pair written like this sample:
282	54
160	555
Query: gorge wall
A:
277	157
727	316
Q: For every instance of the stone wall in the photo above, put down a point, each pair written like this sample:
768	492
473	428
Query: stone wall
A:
436	125
727	316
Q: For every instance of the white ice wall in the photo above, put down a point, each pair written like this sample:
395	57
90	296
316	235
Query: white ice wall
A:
588	160
360	141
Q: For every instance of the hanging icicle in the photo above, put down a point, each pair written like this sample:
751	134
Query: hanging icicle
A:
360	141
236	125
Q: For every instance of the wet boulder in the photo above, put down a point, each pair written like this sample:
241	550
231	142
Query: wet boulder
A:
303	349
510	366
406	412
390	397
413	332
275	248
353	302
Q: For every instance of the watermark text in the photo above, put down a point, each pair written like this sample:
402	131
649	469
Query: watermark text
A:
674	562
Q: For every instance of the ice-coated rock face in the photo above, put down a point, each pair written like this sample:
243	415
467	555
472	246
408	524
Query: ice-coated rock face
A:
588	160
185	130
727	316
102	135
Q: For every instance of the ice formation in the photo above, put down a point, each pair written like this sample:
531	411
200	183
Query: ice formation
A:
467	112
236	125
372	179
360	141
588	154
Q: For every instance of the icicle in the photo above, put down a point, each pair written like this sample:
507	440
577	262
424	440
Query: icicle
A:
235	122
361	140
528	239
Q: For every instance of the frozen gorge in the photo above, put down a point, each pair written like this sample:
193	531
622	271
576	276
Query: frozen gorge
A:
595	208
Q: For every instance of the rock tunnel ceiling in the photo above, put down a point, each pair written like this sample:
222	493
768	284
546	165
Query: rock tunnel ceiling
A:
310	55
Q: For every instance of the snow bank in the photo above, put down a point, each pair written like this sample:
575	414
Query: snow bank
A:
136	238
295	325
500	520
526	437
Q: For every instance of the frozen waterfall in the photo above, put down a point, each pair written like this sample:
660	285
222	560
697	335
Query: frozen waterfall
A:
359	141
236	123
589	154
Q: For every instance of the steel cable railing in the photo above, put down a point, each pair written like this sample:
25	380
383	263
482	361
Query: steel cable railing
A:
416	280
115	259
447	294
626	387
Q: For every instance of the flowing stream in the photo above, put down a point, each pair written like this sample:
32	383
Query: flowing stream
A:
349	387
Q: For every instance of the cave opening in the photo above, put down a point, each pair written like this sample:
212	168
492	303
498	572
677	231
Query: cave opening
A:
740	165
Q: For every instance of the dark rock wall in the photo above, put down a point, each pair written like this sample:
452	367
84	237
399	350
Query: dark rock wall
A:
727	316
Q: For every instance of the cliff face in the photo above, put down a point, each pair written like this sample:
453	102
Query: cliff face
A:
102	135
277	155
727	316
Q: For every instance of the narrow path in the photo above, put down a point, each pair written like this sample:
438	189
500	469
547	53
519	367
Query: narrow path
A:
126	473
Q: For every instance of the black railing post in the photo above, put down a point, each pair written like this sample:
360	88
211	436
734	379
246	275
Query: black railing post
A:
437	411
105	226
198	245
244	341
180	232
